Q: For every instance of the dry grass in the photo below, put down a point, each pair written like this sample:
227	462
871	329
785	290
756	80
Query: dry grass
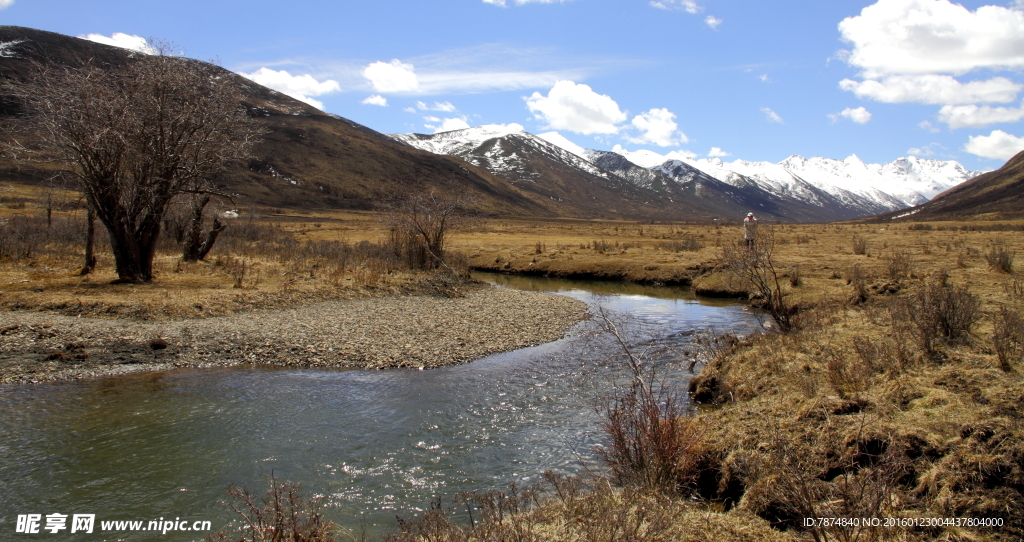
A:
261	260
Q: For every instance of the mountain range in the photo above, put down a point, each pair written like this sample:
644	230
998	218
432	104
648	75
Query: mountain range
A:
798	189
311	159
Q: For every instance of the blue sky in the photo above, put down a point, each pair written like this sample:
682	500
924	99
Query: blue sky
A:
751	80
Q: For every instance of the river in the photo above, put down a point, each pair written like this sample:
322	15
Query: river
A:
375	444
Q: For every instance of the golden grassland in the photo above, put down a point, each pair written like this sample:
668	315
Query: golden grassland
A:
856	413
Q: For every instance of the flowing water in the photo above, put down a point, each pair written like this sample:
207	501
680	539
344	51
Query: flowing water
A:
376	444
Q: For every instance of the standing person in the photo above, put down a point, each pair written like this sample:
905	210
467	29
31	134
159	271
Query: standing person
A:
750	230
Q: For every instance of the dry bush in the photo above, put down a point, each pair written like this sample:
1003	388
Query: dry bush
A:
1015	287
890	354
423	223
1008	337
23	238
856	278
847	376
756	267
601	246
937	313
860	245
898	265
795	278
651	442
1000	258
282	515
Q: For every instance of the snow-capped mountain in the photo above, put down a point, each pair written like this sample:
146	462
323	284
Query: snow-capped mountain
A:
557	170
815	189
491	146
866	189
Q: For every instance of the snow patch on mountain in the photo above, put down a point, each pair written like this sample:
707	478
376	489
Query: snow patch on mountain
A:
7	48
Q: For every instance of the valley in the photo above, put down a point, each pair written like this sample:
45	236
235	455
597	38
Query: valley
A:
861	358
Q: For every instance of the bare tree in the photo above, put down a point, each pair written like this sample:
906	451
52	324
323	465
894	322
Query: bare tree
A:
197	242
134	137
421	222
755	265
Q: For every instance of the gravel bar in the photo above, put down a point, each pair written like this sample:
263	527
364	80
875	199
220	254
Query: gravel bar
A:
375	333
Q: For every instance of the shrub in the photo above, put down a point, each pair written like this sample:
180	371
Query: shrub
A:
1009	337
795	279
650	441
855	277
282	515
1000	258
756	267
860	245
938	313
898	265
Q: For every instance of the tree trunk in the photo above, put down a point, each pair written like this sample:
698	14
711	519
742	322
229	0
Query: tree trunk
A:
197	242
133	252
194	235
211	238
90	242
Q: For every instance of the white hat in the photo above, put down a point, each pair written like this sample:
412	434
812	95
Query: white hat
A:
750	214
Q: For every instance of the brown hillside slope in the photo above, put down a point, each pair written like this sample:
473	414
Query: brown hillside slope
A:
996	195
307	159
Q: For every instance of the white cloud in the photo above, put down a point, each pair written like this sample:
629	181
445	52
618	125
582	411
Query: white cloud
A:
429	118
4	4
376	99
933	36
927	150
446	107
502	3
716	152
764	78
117	39
712	21
934	89
997	145
772	116
409	110
858	115
689	6
576	108
658	126
300	87
485	81
394	76
973	116
448	125
927	125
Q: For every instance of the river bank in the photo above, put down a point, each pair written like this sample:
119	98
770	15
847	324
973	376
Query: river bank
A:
375	333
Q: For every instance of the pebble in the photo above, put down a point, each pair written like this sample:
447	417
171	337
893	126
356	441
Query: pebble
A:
374	333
